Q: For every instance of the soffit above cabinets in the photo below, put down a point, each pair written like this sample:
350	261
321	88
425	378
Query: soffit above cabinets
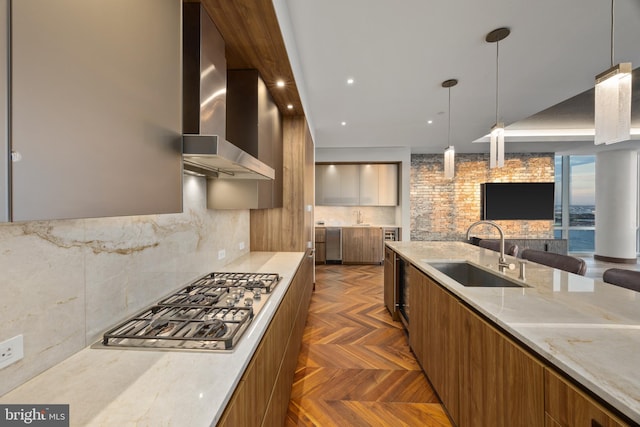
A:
253	40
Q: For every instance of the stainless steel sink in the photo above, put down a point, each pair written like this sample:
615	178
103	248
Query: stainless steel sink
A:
468	274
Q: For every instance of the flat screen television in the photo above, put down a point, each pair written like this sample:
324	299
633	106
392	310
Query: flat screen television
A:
517	200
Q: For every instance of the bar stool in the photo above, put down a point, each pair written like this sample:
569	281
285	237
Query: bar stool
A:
559	261
629	279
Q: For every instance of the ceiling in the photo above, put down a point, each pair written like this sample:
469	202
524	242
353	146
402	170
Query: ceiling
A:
399	53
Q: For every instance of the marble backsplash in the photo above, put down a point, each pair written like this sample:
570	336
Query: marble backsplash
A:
65	282
345	215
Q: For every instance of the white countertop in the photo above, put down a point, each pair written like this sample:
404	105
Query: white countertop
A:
588	329
123	387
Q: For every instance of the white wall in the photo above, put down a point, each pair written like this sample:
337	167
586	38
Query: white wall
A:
64	283
401	155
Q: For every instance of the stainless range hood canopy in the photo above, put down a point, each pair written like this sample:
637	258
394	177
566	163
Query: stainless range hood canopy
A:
209	153
205	149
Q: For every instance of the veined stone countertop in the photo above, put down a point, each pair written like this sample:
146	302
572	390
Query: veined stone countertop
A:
123	387
587	328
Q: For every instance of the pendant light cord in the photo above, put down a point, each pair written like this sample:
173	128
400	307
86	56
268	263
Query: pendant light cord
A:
612	23
449	130
497	71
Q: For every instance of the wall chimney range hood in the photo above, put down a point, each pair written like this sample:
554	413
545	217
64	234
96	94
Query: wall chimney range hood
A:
205	149
210	153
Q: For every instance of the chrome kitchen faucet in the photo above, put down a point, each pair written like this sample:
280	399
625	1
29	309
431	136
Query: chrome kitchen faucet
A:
502	262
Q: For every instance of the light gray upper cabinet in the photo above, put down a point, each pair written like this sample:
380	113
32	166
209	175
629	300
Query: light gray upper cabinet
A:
357	184
96	108
254	124
338	185
4	108
388	184
369	185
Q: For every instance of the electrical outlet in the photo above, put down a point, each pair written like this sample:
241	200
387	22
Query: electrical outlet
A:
221	254
241	245
11	351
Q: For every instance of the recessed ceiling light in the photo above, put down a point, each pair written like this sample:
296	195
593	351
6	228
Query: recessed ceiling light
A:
350	81
429	121
343	123
290	106
280	83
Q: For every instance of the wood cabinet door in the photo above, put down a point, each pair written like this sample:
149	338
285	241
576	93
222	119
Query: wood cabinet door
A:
390	282
442	355
372	246
352	241
418	323
501	385
567	406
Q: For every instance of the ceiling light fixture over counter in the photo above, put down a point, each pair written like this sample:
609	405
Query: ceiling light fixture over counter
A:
496	155
613	101
449	152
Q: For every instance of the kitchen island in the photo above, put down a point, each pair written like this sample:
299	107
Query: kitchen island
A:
559	329
137	387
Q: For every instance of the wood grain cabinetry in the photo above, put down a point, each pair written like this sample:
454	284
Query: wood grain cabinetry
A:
362	245
289	228
483	376
390	282
262	396
442	323
501	383
566	406
434	337
321	246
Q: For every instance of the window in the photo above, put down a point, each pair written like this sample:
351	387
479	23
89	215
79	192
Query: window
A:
575	202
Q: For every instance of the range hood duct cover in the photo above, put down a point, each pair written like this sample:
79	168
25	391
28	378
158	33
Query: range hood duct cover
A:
205	148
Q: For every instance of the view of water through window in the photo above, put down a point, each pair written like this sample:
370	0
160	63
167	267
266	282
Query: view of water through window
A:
582	195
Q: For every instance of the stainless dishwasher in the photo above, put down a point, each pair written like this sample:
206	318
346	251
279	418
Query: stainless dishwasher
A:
333	244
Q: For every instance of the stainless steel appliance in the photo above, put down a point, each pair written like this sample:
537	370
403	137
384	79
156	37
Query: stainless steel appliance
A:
205	148
333	244
211	313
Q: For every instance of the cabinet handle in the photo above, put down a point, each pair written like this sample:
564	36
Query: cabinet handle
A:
595	423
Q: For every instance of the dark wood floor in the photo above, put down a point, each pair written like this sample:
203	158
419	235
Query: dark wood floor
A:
355	367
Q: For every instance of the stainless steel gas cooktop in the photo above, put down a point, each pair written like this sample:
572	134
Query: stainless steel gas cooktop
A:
211	313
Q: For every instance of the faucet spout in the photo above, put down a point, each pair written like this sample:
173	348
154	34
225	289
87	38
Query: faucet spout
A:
502	261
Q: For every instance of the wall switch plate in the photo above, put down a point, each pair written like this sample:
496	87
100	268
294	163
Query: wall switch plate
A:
221	254
241	245
11	351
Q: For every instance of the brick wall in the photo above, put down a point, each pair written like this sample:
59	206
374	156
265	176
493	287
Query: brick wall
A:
443	209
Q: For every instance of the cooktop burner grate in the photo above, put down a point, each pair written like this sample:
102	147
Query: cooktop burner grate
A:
210	313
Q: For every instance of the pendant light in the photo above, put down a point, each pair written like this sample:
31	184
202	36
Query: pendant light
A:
449	152
496	153
613	101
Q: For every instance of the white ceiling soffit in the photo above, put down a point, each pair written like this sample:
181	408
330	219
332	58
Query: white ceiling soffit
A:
399	53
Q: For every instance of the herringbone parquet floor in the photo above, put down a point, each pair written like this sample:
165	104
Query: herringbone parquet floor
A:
355	367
